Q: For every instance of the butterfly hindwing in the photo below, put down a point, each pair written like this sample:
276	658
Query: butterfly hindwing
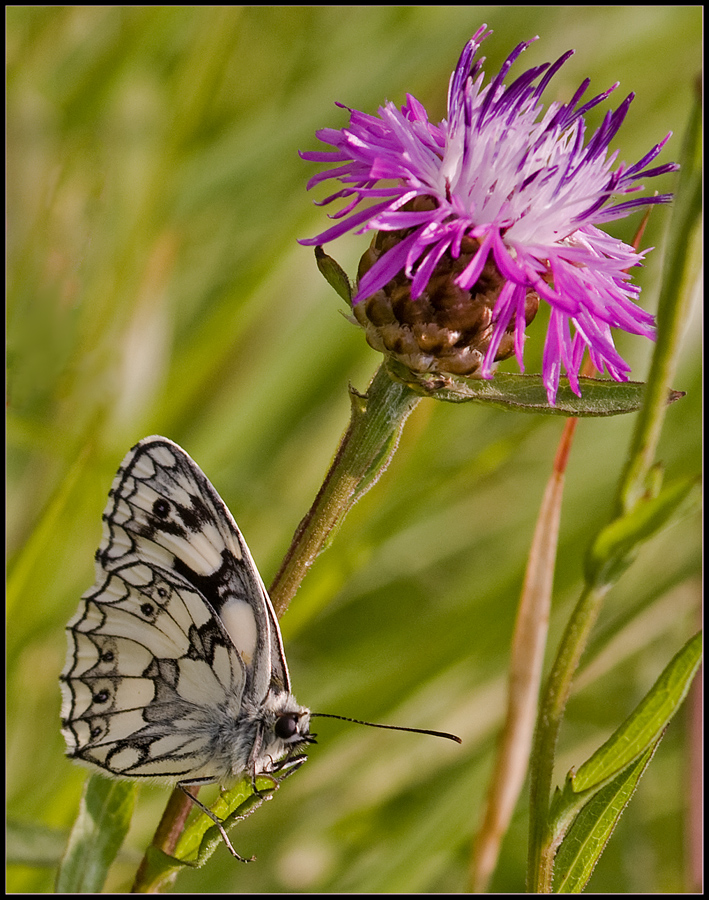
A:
145	657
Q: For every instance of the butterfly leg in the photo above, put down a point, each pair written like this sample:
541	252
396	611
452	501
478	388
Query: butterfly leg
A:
277	773
208	812
264	793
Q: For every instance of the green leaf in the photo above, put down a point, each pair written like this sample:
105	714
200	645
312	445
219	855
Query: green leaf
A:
99	830
583	814
612	551
201	837
593	826
527	393
646	723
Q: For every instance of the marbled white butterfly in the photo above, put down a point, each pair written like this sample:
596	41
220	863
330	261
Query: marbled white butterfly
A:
175	667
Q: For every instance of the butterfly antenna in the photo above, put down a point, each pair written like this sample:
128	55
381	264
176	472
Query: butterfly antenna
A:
442	734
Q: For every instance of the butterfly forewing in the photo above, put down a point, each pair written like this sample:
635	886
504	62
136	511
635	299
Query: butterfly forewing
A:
163	510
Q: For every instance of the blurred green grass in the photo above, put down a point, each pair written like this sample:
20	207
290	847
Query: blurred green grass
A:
154	199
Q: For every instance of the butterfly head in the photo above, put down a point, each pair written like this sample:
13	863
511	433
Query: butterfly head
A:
285	733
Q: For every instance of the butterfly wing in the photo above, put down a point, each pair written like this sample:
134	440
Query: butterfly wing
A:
163	510
176	635
150	674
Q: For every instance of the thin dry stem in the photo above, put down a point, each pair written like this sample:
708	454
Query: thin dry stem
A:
527	659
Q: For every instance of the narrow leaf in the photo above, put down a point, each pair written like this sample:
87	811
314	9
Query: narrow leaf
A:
612	550
99	830
202	837
334	274
649	719
590	831
527	393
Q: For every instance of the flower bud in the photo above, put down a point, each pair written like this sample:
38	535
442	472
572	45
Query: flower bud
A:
446	329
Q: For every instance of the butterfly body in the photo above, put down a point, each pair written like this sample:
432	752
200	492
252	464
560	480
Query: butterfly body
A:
175	667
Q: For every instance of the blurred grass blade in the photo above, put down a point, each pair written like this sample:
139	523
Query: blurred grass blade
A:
28	558
589	834
99	830
649	719
526	665
32	844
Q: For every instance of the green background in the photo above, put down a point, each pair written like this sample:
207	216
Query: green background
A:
154	199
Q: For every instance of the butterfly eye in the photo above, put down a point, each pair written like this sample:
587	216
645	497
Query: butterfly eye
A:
286	726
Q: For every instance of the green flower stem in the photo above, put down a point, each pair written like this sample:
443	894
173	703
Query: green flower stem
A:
678	275
365	451
155	876
542	843
680	271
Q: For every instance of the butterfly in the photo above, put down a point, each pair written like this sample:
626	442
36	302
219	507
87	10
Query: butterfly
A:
175	667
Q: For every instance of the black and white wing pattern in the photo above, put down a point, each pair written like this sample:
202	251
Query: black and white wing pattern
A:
175	666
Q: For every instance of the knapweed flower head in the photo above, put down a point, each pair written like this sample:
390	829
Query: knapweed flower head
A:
482	216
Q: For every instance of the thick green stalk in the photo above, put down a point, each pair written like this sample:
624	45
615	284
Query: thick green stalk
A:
364	453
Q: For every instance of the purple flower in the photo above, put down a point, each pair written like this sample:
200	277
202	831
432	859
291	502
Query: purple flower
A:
501	184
